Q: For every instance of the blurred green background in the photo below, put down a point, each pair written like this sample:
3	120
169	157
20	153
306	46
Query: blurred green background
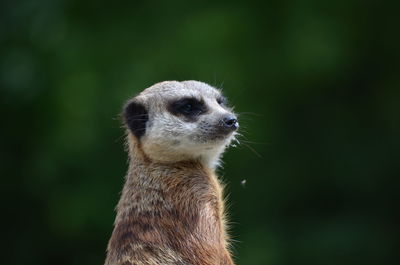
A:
317	83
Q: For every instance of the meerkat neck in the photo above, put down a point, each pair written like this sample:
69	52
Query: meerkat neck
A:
154	187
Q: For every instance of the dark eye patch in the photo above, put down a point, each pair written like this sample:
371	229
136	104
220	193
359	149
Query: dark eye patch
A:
188	107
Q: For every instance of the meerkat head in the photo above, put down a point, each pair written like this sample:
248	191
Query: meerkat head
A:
176	121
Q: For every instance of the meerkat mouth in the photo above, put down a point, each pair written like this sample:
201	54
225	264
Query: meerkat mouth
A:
218	136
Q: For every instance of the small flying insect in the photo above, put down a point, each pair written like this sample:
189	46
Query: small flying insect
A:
243	183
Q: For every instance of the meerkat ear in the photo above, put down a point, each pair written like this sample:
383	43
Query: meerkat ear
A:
135	117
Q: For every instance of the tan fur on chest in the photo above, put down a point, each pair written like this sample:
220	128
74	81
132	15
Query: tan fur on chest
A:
169	213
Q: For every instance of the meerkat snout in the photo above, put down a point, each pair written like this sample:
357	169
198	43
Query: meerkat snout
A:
230	123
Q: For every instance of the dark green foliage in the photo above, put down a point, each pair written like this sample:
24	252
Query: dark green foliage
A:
317	83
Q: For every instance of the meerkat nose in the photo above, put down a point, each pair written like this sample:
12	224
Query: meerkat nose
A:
230	122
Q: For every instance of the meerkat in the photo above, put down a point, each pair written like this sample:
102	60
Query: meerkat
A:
171	209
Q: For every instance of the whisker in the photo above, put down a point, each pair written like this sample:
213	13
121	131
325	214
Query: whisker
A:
251	142
253	150
251	113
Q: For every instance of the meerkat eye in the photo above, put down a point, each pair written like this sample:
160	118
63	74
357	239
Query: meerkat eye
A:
187	107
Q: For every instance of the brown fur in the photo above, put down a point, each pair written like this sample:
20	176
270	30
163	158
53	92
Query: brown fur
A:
169	213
